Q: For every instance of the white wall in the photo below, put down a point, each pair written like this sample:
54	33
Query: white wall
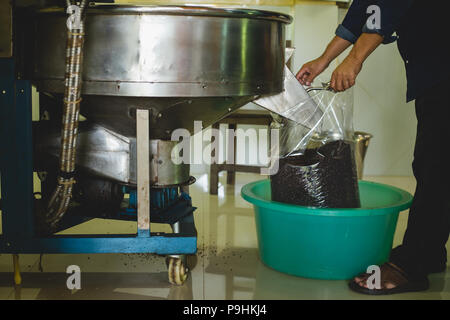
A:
314	27
380	108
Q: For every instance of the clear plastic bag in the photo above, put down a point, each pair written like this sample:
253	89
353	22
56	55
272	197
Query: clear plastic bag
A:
316	162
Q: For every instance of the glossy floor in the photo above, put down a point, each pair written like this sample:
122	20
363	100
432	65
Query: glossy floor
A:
226	266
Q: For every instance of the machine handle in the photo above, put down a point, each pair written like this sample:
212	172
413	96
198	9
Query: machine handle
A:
325	86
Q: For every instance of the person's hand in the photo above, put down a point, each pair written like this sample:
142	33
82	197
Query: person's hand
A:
310	70
345	74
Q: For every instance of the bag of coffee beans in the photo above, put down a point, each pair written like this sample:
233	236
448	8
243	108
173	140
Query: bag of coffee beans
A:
322	177
316	164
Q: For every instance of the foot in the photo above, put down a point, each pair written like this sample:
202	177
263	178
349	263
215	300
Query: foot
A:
392	280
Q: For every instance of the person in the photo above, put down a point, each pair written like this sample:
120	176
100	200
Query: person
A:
420	31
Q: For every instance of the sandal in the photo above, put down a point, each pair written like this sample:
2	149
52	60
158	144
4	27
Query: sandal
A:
390	273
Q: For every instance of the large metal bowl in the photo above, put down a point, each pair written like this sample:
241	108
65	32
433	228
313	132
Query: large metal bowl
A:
184	63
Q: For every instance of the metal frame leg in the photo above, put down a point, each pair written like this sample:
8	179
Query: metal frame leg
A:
143	172
17	276
214	167
231	153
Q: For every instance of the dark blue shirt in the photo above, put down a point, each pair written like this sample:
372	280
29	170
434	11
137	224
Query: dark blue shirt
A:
420	29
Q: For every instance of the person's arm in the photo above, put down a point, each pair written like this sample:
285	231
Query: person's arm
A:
345	74
391	14
352	26
350	31
346	34
312	69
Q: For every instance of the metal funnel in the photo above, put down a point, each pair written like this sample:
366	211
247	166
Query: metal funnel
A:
294	102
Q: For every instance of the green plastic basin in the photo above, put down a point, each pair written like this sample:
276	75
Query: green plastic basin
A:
326	243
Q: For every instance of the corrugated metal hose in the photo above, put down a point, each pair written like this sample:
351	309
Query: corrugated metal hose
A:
60	199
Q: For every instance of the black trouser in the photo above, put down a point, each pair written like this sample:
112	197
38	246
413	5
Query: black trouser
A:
423	249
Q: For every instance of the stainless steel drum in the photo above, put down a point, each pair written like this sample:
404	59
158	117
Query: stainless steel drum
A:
183	63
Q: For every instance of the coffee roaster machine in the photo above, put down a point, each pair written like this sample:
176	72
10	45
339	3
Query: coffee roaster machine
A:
135	73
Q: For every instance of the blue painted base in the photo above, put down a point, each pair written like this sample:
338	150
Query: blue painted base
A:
159	244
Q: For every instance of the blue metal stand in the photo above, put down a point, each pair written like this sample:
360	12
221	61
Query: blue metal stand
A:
16	169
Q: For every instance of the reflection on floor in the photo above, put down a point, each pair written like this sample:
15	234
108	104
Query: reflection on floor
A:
226	265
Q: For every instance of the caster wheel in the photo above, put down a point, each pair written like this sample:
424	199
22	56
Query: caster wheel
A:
177	271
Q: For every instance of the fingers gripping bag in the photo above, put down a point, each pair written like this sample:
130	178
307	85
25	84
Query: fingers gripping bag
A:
316	162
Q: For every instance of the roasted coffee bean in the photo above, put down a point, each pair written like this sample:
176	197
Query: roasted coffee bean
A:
324	177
